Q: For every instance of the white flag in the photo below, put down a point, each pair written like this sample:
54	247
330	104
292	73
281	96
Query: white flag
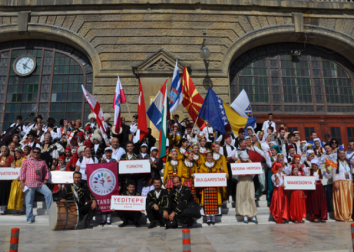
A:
242	105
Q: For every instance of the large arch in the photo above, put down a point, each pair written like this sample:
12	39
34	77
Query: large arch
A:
53	33
322	36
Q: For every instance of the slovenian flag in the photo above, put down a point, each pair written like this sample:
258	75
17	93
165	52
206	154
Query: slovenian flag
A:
119	97
176	95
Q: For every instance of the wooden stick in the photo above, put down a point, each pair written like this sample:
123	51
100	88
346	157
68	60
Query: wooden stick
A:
126	103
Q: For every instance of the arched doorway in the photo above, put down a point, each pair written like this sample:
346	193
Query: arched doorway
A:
53	89
304	91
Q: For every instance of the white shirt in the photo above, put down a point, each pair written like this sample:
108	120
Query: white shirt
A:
266	126
83	165
344	168
206	131
135	131
350	157
116	154
158	194
96	147
230	152
55	135
332	157
280	177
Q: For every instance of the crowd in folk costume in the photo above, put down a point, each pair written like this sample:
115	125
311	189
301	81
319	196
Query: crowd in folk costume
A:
71	146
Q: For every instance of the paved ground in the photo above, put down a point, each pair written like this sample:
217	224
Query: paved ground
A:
292	237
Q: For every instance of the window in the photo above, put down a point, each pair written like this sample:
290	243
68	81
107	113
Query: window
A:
292	129
308	131
335	133
316	82
350	131
52	90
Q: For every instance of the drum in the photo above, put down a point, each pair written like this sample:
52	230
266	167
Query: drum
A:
63	215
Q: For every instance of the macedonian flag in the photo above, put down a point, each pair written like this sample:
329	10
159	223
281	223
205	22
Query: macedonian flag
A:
330	164
192	100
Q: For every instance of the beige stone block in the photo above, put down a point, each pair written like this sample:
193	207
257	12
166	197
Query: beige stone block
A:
0	20
78	22
348	26
340	24
279	20
322	22
216	81
271	20
34	19
59	21
298	19
126	64
68	22
331	23
238	29
128	90
254	22
42	19
245	24
13	20
123	56
51	20
6	20
263	21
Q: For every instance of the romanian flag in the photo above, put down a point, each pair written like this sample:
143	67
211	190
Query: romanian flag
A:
330	164
192	100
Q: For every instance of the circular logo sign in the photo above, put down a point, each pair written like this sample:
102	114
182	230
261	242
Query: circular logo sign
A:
102	181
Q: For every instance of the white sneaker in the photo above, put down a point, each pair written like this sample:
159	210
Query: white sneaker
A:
30	222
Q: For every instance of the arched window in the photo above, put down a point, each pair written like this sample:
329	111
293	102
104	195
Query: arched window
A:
319	81
53	89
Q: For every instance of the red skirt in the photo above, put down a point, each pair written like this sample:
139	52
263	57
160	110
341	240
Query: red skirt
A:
279	206
298	205
317	203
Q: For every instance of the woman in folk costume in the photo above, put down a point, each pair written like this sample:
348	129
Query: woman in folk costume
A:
297	201
16	194
59	187
186	169
295	163
203	149
316	199
183	147
280	206
221	163
156	165
5	185
211	200
175	137
310	154
245	193
274	151
342	188
198	159
171	169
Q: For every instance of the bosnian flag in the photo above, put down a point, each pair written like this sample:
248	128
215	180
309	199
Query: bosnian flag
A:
176	96
154	112
97	110
119	97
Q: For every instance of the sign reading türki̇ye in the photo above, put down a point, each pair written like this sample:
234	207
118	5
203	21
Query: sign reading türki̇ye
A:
246	169
134	166
299	183
210	179
9	173
128	203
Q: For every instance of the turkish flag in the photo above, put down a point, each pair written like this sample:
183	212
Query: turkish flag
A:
192	100
142	123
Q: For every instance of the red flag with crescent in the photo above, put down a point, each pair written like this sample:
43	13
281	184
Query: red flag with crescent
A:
192	100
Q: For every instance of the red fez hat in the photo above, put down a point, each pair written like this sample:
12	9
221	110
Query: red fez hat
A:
80	134
281	128
67	149
290	146
271	128
227	127
241	130
74	139
62	158
88	127
88	144
226	136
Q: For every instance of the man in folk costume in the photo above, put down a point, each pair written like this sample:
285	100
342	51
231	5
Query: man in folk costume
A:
221	138
106	118
171	169
229	152
81	138
290	153
220	161
53	130
123	134
92	121
21	130
135	134
211	199
36	120
186	170
174	137
154	203
342	187
245	193
88	133
68	156
31	141
59	187
318	148
149	140
124	179
209	133
98	146
281	139
291	141
268	123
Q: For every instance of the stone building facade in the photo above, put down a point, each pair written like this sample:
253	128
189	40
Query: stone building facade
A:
252	44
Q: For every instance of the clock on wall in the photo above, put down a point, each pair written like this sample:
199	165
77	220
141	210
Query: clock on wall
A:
24	65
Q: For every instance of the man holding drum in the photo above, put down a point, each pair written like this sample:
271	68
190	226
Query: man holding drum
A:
80	194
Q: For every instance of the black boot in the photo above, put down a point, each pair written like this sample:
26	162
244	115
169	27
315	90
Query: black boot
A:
125	223
152	225
136	223
87	224
162	223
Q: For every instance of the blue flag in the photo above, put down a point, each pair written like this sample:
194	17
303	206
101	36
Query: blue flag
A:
213	111
176	95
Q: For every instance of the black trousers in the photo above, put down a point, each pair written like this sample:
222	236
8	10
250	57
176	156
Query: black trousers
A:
126	216
86	209
153	214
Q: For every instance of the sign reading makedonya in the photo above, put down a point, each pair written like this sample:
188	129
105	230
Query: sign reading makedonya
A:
246	169
209	179
299	183
128	203
9	173
134	166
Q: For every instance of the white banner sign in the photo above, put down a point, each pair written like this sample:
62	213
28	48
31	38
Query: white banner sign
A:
299	183
210	179
134	166
128	203
9	173
246	169
62	177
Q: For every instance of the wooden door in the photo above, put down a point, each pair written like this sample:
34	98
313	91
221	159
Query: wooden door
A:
307	129
343	133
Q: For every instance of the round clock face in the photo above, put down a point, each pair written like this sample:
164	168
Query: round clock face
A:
24	65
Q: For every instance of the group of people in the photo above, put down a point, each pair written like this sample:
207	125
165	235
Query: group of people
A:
38	148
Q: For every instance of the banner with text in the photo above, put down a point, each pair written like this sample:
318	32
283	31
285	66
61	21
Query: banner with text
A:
246	169
134	166
128	203
9	173
62	177
102	179
210	180
299	183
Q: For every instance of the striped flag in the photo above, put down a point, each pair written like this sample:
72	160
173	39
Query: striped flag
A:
119	97
163	130
154	112
97	110
176	95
